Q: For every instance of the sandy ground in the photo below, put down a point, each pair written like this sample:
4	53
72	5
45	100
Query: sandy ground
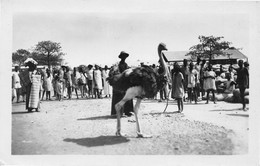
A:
85	126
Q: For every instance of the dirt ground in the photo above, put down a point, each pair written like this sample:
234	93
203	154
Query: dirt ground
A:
84	126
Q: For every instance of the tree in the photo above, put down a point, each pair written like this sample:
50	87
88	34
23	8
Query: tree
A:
209	47
20	56
48	53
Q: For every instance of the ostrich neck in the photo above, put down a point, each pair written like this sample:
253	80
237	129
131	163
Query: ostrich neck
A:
162	60
159	51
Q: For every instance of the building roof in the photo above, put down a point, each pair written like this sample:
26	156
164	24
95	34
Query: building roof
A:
175	56
232	54
178	56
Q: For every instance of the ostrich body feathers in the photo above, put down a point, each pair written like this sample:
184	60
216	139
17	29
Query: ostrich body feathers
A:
150	81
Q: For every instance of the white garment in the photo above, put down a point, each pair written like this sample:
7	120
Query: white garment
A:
16	80
192	78
97	79
107	87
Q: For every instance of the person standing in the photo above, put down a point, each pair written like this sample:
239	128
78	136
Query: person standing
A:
107	87
202	70
32	81
82	82
184	71
177	86
116	95
16	85
163	91
192	80
47	84
61	80
242	81
210	86
89	73
198	68
97	81
68	81
75	77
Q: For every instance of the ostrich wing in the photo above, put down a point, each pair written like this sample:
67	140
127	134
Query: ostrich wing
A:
140	76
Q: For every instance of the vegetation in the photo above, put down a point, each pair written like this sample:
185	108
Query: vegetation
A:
209	47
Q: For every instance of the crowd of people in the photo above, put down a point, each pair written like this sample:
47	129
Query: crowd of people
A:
63	81
194	82
190	82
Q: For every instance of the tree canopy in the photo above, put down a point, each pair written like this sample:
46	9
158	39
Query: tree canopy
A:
209	47
20	56
48	53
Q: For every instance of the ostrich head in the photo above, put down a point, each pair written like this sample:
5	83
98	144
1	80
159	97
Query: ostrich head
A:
165	76
162	47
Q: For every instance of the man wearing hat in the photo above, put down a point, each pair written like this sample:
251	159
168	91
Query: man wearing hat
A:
117	96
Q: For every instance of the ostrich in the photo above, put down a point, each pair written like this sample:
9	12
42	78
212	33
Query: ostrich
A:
137	83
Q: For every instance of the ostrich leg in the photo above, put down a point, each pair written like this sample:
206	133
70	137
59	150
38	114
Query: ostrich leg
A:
138	129
118	108
130	94
137	106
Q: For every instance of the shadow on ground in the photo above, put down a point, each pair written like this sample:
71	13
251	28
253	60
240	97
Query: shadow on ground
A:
98	141
163	113
242	115
99	117
24	112
233	109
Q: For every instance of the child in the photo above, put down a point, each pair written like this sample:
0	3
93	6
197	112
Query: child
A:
229	85
177	86
48	85
59	88
210	83
192	80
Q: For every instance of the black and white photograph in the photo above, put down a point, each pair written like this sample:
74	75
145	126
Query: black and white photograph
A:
129	82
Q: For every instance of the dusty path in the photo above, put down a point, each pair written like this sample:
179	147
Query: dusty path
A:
85	127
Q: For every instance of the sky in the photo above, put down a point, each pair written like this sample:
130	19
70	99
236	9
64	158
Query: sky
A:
95	37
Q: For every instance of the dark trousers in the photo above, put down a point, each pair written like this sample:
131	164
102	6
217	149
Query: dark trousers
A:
128	107
163	94
28	92
242	96
213	94
192	94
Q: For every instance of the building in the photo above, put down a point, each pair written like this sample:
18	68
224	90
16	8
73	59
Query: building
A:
231	57
175	56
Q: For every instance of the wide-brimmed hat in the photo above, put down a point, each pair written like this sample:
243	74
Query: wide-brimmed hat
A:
90	66
30	60
123	54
